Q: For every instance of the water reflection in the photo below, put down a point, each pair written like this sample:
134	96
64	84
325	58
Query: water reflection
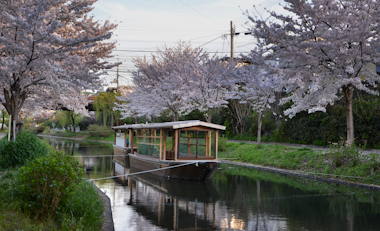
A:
235	199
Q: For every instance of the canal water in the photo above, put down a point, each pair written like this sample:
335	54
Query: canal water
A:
235	199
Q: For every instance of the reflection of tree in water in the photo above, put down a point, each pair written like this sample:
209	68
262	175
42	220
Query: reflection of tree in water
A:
296	203
97	165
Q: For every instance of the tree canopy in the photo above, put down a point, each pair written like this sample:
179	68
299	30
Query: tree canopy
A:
49	52
327	48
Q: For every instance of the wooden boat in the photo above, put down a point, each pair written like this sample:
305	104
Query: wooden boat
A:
182	150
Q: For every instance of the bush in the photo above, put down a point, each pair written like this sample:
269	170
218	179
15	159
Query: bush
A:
46	130
26	148
99	131
222	142
44	182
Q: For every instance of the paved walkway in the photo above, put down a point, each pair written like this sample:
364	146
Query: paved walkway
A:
314	147
2	134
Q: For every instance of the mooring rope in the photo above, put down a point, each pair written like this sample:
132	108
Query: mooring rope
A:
147	171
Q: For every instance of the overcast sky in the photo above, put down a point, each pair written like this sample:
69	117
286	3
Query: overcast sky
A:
145	25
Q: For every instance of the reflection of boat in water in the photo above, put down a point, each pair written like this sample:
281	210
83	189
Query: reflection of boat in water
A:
200	191
190	145
173	204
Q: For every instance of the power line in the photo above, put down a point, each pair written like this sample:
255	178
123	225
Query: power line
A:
209	41
198	12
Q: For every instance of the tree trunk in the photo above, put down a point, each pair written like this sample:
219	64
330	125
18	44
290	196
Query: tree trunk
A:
176	115
208	115
2	125
73	119
104	118
112	119
348	96
14	99
117	122
259	122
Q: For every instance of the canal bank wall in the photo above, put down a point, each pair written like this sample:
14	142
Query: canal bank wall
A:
107	214
298	174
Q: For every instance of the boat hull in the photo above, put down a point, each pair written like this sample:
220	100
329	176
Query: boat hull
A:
120	155
204	171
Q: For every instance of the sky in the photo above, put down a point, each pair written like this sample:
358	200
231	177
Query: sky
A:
145	25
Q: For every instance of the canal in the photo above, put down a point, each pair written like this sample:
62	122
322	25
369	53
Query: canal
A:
235	199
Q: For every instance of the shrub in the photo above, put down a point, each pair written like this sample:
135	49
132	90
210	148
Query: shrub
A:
319	143
99	131
44	182
26	147
222	143
46	130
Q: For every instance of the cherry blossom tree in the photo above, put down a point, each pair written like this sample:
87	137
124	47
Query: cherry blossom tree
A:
165	83
130	105
208	82
256	84
49	52
326	48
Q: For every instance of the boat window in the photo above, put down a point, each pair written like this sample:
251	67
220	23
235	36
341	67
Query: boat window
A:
196	144
148	142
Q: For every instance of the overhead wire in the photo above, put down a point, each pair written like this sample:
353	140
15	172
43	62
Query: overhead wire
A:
198	12
209	41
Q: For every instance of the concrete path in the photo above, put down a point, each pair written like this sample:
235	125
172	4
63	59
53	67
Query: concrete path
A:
314	147
2	134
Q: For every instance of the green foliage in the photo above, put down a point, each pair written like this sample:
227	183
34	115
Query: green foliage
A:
319	143
349	163
11	219
104	104
46	130
45	181
83	209
367	121
228	129
244	137
26	148
86	121
222	143
343	155
99	131
66	118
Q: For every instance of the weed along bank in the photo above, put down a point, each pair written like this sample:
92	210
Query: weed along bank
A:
183	150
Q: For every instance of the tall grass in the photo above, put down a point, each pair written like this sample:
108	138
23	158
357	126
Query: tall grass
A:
83	209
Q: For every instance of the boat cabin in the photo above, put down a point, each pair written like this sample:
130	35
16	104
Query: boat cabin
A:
170	141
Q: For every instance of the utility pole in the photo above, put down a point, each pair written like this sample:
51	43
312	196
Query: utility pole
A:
117	79
232	42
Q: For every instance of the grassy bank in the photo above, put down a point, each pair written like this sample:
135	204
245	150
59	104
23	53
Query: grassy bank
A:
340	162
84	134
32	166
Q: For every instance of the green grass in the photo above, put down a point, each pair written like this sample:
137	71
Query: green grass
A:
110	138
338	161
68	134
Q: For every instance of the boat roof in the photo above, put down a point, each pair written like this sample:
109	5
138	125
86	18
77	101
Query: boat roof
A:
172	125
